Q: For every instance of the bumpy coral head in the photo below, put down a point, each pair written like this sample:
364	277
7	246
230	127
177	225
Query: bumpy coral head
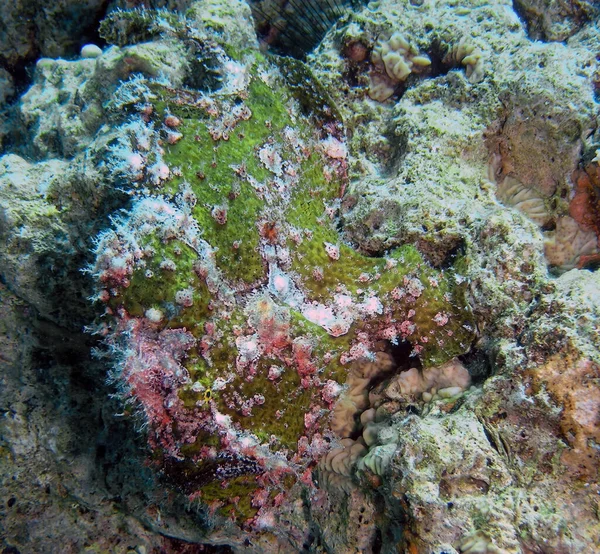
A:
236	334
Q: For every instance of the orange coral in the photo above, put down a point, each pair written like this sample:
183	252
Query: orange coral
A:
585	206
269	230
572	382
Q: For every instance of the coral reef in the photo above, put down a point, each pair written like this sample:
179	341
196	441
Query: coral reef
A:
428	168
447	381
334	320
464	54
393	60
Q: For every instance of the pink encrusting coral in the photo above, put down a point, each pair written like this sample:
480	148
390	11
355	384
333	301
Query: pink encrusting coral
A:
153	376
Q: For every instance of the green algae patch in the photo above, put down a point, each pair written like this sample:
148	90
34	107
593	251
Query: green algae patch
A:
216	155
233	499
168	271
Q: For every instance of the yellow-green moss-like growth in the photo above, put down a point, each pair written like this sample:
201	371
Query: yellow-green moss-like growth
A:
238	304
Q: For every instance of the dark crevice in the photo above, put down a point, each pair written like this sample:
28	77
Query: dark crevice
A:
314	540
178	546
478	365
295	27
554	21
593	264
437	52
22	69
445	258
401	354
89	34
377	542
357	54
523	17
490	439
390	532
204	71
22	75
398	147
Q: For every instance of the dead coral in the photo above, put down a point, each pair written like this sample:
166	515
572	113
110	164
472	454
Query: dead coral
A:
378	459
569	240
344	419
334	470
534	152
537	142
444	381
527	200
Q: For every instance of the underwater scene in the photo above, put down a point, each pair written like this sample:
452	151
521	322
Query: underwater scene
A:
299	276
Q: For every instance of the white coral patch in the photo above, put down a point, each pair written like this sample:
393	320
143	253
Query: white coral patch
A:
334	148
271	159
248	349
237	76
319	314
372	306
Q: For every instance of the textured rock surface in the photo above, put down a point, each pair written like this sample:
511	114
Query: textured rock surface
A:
30	30
427	164
554	20
416	140
483	185
56	437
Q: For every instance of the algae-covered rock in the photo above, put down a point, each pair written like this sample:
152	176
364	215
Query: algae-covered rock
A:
66	106
430	166
341	320
418	153
240	305
447	469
